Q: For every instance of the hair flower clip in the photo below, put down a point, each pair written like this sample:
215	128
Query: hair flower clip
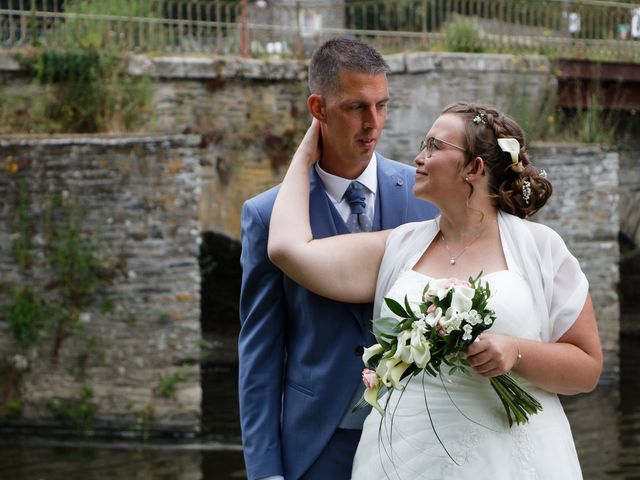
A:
512	147
526	191
542	173
480	118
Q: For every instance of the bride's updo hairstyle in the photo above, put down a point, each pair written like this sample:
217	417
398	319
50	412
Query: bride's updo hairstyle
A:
509	182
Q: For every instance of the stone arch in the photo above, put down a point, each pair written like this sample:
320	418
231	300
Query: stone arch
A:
630	215
629	239
220	325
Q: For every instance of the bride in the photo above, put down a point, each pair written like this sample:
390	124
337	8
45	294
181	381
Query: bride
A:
473	165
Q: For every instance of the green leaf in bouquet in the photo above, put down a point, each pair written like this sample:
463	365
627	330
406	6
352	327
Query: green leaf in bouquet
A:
459	368
396	308
434	364
425	290
452	339
375	359
408	309
387	326
384	341
387	343
474	281
447	299
406	324
430	370
392	350
411	370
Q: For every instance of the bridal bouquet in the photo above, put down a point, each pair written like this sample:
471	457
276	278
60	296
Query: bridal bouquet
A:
433	332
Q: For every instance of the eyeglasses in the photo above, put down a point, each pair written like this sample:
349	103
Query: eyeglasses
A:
431	143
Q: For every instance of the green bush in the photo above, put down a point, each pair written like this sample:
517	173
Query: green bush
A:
89	33
22	249
73	258
462	35
168	383
78	412
27	315
85	91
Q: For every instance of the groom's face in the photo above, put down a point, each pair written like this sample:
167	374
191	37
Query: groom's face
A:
354	117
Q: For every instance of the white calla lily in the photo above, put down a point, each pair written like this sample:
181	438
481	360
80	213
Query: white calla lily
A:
511	146
403	352
418	330
391	370
421	354
433	317
371	351
439	287
462	297
371	397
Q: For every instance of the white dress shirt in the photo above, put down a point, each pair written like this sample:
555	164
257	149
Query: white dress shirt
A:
336	186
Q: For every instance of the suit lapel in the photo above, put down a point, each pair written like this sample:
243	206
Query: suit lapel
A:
391	191
324	218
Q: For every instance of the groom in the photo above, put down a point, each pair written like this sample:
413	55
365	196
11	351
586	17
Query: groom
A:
300	354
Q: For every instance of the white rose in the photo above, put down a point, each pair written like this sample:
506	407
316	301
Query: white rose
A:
452	320
467	332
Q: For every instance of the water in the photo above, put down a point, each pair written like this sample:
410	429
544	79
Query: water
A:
606	426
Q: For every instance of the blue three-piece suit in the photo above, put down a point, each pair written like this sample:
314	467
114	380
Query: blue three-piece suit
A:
300	354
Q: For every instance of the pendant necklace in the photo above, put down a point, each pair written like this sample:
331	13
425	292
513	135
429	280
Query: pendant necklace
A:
452	259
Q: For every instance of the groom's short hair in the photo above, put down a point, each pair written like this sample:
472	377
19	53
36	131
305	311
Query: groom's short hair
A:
342	53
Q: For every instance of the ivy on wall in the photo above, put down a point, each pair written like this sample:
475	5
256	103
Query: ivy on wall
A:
58	280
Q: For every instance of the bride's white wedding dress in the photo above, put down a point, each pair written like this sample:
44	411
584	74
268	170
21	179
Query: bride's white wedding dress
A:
466	414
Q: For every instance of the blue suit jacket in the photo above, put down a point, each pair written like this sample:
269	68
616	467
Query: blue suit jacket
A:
299	353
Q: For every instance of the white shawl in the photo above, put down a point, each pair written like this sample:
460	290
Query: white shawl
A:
558	285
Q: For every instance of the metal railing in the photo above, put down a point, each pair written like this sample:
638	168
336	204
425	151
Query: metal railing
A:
561	28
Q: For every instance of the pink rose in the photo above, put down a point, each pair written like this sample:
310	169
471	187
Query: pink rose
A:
370	379
452	282
431	308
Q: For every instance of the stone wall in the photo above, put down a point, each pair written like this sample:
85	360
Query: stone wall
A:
256	109
584	211
254	112
140	199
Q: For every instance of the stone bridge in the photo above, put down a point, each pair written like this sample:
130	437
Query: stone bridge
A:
233	125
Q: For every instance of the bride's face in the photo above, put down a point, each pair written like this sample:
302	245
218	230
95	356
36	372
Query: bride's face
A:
439	165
